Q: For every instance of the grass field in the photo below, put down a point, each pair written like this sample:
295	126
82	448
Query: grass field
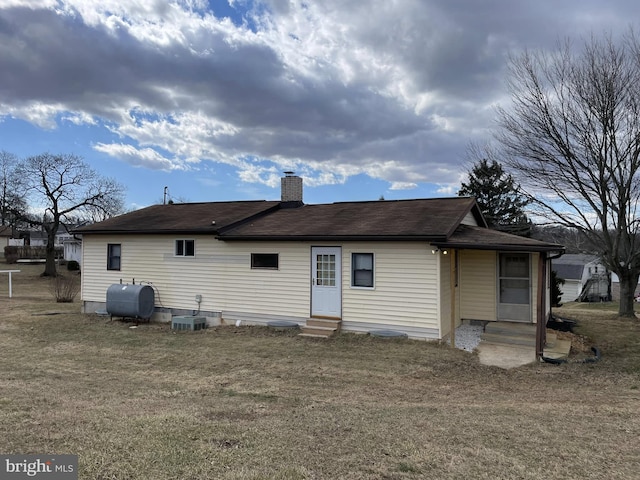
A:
251	403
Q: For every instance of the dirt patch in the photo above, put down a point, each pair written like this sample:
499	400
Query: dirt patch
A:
580	344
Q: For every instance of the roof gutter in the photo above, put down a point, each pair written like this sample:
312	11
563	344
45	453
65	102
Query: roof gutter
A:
504	247
148	232
331	238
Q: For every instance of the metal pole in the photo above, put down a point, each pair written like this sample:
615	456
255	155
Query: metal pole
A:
452	287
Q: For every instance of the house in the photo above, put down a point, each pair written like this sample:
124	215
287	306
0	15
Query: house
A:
72	250
37	238
63	235
419	267
586	278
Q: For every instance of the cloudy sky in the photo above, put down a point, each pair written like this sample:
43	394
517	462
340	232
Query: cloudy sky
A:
215	99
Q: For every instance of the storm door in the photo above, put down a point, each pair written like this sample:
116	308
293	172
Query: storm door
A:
326	282
514	287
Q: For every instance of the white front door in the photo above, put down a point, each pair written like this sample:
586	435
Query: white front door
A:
326	282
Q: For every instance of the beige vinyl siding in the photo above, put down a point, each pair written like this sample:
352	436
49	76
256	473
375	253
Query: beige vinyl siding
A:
220	272
469	219
406	286
406	291
284	291
477	284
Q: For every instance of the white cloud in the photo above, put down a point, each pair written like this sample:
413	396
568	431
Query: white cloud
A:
138	157
32	4
394	90
40	114
403	185
80	118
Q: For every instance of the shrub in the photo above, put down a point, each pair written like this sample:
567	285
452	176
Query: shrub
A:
65	288
11	254
73	266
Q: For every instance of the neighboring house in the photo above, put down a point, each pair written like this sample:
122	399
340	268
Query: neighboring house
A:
37	238
5	236
72	244
586	278
414	266
62	236
73	250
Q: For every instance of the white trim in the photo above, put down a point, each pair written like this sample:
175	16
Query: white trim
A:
373	270
184	247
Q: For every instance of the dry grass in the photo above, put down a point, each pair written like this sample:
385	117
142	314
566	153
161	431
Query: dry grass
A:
65	287
251	403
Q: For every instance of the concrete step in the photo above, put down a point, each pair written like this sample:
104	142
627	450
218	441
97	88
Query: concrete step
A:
509	339
560	350
326	331
324	322
552	338
510	328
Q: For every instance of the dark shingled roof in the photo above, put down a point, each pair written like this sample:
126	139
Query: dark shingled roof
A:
181	218
469	237
427	219
568	272
436	220
571	266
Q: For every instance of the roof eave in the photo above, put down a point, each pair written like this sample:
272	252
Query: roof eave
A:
332	238
148	232
505	247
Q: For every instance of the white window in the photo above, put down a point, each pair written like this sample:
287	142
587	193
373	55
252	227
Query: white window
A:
362	270
185	248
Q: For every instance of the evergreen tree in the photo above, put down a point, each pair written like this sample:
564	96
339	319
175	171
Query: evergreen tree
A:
498	198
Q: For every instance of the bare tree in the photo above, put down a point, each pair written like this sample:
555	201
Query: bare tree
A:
573	136
12	206
61	187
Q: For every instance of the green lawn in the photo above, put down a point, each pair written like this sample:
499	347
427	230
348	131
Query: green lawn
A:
252	403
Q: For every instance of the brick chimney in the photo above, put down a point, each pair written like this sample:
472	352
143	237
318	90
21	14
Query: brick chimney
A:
291	190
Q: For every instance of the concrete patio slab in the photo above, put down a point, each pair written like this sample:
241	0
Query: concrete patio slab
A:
505	356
